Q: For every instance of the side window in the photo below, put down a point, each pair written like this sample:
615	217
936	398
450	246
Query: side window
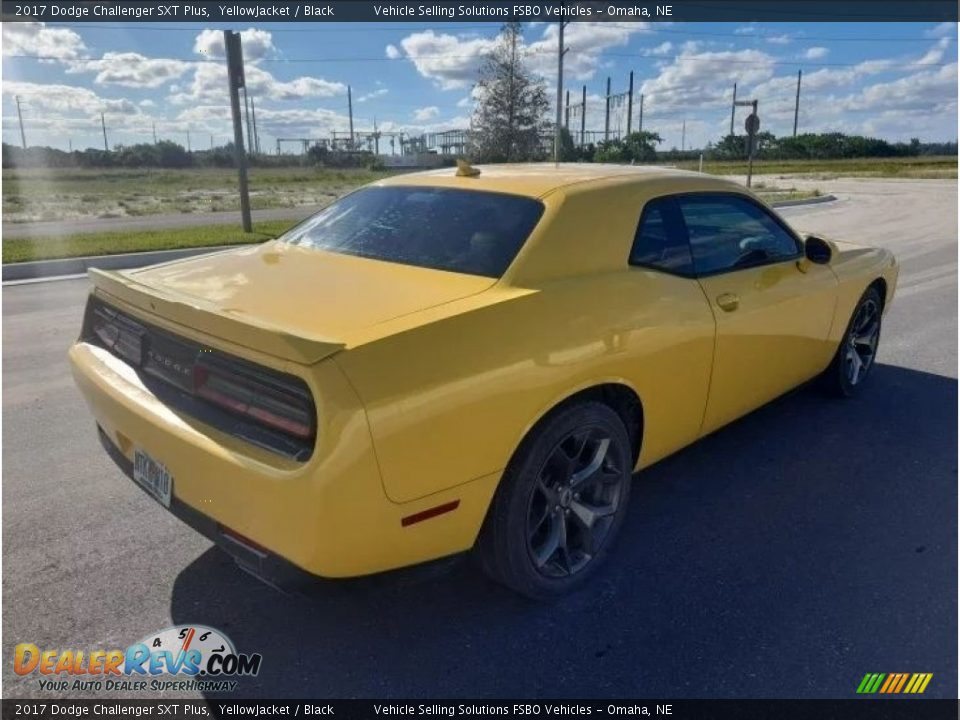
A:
728	232
660	242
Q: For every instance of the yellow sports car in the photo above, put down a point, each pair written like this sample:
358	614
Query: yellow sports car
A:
465	358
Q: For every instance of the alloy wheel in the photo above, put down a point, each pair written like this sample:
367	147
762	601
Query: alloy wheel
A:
574	502
862	342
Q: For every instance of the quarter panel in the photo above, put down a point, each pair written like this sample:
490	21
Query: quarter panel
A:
450	400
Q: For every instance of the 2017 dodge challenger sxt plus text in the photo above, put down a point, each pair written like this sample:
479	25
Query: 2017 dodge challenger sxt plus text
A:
474	358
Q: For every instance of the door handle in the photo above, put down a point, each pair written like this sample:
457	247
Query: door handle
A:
728	302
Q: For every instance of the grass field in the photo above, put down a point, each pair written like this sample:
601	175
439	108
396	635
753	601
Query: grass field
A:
56	194
934	167
70	194
110	243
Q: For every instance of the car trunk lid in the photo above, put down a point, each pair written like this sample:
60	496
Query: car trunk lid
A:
294	303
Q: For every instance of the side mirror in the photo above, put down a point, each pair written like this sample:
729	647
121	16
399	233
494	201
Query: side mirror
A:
817	250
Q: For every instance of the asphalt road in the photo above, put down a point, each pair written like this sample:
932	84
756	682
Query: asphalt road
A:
785	556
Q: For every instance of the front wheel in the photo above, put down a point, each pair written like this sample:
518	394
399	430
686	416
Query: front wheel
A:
858	348
560	503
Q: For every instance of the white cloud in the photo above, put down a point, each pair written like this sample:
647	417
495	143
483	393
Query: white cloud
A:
780	40
453	61
935	54
380	92
36	39
693	80
660	50
450	61
816	53
932	90
130	69
209	86
426	113
589	40
257	44
147	103
944	29
66	99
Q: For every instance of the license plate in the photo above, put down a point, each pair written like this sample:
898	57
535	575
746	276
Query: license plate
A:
152	476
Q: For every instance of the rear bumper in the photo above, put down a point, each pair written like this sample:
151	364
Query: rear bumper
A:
328	517
268	567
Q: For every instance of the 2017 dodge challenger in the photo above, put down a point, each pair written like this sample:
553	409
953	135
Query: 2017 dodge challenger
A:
465	358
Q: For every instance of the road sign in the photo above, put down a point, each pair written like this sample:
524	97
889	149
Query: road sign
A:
752	123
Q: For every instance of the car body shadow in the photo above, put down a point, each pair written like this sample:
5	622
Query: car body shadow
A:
784	556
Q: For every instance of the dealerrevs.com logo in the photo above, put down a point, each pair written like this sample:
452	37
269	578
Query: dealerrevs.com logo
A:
184	657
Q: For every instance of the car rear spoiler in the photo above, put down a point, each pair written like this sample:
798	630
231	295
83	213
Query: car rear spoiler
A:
247	331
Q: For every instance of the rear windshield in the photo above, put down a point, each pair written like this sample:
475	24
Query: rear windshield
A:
462	231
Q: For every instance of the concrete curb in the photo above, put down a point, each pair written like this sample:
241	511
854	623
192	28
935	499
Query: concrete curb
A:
805	201
128	261
120	261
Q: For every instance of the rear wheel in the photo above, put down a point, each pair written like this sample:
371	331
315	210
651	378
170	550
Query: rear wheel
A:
858	348
560	504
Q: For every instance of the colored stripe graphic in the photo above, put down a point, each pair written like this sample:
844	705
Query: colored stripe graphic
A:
894	683
871	683
903	681
892	679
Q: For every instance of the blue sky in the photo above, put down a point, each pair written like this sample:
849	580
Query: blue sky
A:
890	80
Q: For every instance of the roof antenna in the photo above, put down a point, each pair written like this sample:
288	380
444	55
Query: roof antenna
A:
465	169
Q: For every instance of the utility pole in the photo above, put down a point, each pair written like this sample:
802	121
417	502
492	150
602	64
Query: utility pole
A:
630	105
606	122
23	138
566	115
752	126
103	124
189	149
246	105
733	108
683	136
350	111
154	133
561	51
235	77
583	117
256	135
211	141
796	109
640	124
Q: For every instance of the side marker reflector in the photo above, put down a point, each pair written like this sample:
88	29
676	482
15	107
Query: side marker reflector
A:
430	513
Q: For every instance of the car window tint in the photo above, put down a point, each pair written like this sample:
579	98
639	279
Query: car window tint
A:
660	242
464	231
728	232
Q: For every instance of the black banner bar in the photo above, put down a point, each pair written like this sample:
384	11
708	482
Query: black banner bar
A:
439	11
855	709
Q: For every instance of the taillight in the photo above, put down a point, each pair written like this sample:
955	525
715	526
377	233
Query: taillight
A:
262	406
118	333
266	399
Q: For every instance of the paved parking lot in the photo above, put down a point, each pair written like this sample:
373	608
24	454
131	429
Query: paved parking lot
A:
784	556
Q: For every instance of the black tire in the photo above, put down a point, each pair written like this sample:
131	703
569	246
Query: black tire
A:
845	376
578	460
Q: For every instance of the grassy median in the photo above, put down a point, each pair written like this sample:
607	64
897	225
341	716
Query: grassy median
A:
926	167
110	243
